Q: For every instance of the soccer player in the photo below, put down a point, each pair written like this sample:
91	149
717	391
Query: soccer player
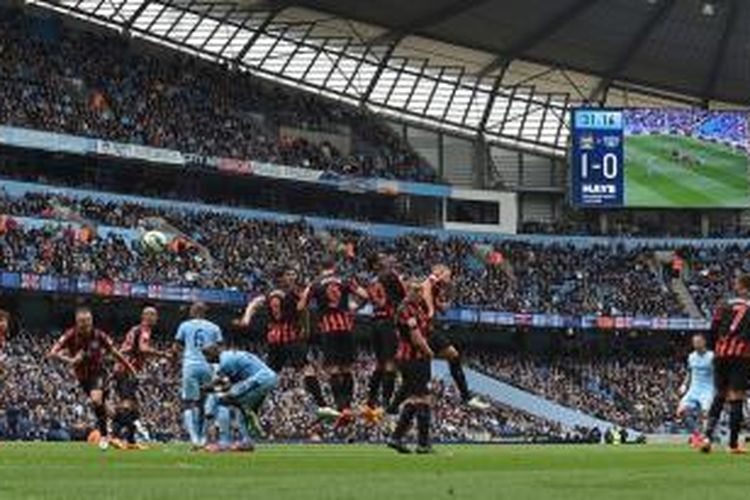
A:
435	294
243	381
137	348
333	296
731	331
285	335
194	335
414	358
697	390
85	349
386	292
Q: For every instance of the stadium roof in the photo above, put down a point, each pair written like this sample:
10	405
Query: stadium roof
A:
506	69
695	47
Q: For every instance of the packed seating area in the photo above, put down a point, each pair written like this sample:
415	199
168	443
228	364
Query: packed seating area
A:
41	400
57	79
228	251
636	391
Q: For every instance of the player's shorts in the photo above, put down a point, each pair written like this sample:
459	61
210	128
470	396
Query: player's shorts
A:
194	376
730	374
439	340
701	399
253	397
384	339
293	354
415	377
338	349
126	386
96	382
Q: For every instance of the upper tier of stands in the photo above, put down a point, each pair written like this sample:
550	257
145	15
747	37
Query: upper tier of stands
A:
55	78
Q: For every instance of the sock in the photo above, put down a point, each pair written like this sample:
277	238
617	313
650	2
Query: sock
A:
101	419
399	398
239	417
713	416
337	388
735	422
312	385
118	423
424	417
374	388
190	422
404	422
347	381
202	423
459	377
389	385
224	419
128	425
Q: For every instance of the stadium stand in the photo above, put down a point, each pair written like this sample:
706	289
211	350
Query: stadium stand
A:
553	277
64	80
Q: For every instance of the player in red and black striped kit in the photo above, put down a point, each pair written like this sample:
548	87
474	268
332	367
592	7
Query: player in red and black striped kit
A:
386	292
333	296
86	350
731	334
286	336
137	348
414	359
436	295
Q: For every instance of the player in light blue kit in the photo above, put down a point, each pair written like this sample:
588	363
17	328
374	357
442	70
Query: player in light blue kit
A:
194	335
243	381
698	388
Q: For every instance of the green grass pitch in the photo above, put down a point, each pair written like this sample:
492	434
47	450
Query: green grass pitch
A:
363	472
653	178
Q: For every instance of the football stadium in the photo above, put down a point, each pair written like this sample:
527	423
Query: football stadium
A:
318	249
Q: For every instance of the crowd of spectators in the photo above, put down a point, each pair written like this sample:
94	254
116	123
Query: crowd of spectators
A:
633	391
232	252
55	78
40	400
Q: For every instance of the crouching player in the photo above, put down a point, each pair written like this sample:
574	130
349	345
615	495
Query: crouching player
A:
414	358
698	389
242	383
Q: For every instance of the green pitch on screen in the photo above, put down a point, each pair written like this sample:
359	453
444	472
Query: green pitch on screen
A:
677	171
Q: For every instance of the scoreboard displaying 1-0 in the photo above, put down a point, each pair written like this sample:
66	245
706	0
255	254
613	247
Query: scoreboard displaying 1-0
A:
659	158
597	176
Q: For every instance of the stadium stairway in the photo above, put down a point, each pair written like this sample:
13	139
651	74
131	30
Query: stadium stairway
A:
508	395
680	289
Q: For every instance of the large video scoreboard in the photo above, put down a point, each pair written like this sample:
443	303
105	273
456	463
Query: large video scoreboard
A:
659	158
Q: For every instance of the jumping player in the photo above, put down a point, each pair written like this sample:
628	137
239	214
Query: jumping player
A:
332	295
386	292
137	348
697	390
414	358
285	335
435	292
85	349
243	382
194	335
731	331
